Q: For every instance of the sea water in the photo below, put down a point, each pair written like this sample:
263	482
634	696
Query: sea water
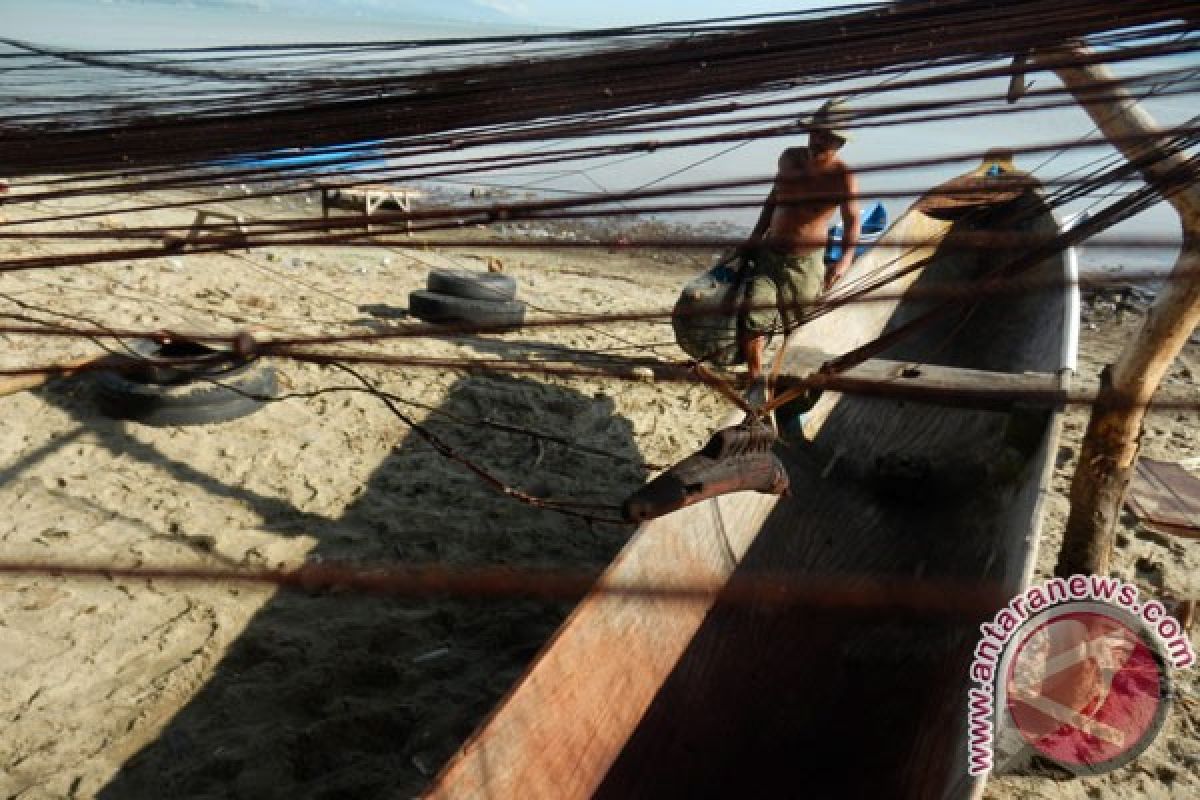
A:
874	152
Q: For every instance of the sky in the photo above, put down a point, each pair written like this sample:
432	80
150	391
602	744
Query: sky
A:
636	12
25	18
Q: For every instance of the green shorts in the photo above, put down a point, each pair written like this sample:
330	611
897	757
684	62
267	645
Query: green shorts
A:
780	288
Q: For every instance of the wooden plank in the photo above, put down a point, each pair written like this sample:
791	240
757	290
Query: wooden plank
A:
928	383
558	733
1191	365
1166	497
21	383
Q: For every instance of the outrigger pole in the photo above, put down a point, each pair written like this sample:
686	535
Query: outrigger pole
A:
1113	438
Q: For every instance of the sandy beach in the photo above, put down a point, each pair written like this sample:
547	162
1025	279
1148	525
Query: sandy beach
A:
148	689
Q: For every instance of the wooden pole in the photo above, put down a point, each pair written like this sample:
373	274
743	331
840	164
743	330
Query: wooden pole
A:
21	383
1110	445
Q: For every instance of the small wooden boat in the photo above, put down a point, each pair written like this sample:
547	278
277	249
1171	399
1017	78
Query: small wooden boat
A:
831	657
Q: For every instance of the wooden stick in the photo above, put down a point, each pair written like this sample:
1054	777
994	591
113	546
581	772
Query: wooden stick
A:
1110	445
21	383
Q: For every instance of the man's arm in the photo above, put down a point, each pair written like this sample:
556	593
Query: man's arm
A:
763	224
738	260
850	227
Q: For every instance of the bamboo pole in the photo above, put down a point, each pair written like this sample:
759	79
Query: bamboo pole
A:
1113	437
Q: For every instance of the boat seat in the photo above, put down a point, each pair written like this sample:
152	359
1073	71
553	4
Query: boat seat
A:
932	384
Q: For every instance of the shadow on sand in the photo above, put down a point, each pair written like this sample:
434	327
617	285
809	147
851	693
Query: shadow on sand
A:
334	694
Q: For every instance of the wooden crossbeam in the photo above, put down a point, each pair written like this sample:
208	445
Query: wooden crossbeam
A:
370	197
925	383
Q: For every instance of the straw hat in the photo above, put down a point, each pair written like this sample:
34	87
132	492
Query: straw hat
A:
832	118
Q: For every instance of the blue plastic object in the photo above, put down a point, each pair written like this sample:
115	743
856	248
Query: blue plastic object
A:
833	245
333	158
873	225
724	274
876	220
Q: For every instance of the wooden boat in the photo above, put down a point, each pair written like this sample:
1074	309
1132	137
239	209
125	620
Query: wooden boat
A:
833	661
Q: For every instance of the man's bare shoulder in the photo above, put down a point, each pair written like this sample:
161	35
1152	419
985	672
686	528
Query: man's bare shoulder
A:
843	171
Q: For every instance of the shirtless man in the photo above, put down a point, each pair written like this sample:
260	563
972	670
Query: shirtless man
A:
787	244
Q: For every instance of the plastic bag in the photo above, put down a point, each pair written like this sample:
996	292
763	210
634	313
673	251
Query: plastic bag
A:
705	317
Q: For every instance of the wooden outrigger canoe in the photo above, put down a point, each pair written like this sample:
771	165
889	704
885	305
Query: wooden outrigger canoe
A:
831	658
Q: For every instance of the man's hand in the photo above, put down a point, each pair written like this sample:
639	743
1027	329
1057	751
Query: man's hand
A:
850	224
835	273
740	257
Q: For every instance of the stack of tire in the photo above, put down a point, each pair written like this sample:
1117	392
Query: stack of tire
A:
466	297
211	386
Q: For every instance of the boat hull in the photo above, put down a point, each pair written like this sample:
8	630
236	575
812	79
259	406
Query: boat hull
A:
831	656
